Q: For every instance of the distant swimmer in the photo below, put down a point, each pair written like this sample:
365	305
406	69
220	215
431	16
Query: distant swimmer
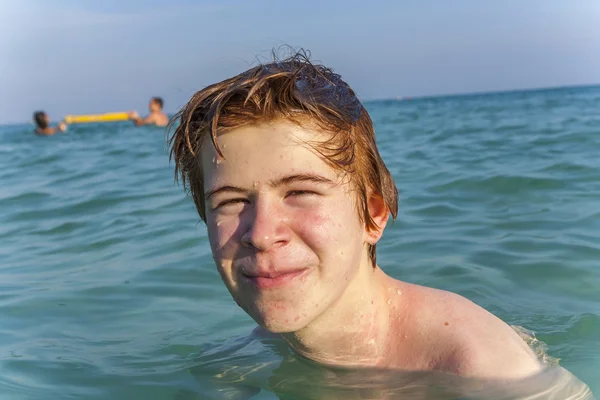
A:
42	122
156	117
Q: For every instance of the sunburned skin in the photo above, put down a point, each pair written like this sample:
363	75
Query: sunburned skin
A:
290	247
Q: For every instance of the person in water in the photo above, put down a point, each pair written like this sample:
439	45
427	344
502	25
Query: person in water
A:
283	167
155	117
42	123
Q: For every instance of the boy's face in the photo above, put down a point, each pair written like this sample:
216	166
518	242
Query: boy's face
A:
283	225
153	106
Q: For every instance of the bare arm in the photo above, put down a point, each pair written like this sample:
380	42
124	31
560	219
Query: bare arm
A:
478	343
138	121
500	362
489	348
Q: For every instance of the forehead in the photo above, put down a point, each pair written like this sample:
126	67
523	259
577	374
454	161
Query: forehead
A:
263	151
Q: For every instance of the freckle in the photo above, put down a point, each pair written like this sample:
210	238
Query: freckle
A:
398	292
446	323
371	301
297	318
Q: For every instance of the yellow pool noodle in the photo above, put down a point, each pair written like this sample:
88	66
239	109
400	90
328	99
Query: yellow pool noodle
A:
106	117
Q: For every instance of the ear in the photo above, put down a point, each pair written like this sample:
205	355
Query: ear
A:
379	213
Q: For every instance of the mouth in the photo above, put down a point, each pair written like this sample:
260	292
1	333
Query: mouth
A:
274	279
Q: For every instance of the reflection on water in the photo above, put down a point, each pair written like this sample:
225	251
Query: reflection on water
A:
246	367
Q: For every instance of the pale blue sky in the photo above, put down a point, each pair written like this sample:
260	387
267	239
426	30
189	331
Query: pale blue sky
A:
81	56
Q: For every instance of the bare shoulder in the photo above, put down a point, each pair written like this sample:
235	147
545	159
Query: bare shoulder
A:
162	119
474	341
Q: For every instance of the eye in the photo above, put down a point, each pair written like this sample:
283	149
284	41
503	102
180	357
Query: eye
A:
231	202
294	193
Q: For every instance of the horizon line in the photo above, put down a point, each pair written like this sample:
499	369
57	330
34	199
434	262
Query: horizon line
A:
424	97
480	93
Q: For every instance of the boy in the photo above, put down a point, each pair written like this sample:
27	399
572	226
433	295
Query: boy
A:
42	123
282	165
156	117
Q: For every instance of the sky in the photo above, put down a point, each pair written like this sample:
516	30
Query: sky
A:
82	56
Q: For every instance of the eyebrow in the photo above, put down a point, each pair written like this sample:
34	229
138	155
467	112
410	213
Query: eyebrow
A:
284	180
314	178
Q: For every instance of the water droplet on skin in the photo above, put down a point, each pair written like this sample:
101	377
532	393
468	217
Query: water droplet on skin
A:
389	301
398	292
255	184
219	223
219	161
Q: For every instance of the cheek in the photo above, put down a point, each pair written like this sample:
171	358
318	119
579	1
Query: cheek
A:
222	235
336	225
313	226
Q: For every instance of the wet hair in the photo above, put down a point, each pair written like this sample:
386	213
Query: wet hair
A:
159	101
39	117
292	89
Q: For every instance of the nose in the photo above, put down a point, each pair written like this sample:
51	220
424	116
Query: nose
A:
267	229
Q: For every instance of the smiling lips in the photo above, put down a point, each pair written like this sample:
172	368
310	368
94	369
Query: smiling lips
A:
271	279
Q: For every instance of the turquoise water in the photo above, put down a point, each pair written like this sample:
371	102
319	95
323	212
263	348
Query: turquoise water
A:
108	290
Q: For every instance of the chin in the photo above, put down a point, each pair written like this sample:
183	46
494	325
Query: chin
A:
280	328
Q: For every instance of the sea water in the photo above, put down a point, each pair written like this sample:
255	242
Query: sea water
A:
108	288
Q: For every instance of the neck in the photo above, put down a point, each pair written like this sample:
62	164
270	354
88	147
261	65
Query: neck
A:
354	331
